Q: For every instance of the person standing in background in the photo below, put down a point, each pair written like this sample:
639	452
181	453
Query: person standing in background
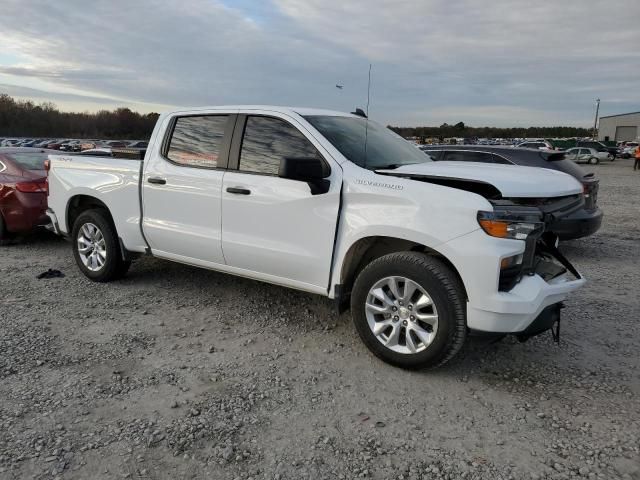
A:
636	164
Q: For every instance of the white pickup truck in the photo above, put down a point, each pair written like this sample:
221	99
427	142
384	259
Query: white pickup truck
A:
334	204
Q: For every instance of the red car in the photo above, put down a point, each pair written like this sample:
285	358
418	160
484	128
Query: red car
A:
23	190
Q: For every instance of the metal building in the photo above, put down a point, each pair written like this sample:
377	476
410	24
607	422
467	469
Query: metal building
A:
621	128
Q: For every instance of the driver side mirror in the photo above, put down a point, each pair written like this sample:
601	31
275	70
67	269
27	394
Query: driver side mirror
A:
312	170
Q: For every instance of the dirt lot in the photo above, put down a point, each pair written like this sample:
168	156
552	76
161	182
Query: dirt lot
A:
176	372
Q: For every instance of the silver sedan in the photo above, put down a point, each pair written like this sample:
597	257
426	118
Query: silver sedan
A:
586	155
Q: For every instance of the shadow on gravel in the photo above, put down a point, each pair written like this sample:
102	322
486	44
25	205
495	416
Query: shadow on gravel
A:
36	238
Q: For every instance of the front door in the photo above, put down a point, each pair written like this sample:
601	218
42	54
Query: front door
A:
182	190
273	227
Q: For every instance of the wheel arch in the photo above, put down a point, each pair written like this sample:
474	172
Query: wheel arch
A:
81	203
366	249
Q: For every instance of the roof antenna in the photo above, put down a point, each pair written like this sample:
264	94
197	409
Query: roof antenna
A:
368	90
366	125
360	113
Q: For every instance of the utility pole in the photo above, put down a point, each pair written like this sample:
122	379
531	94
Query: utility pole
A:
595	121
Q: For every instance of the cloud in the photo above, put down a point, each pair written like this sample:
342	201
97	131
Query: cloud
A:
506	62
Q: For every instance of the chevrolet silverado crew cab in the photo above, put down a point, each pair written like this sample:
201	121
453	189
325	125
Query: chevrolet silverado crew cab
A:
331	203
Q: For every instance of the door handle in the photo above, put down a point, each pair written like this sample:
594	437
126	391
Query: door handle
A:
239	191
157	181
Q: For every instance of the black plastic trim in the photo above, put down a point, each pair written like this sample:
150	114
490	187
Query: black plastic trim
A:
236	143
239	191
141	209
339	287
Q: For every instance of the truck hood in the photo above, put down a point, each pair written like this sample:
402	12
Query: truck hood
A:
512	181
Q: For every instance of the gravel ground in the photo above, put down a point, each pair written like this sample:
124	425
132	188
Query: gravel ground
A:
176	372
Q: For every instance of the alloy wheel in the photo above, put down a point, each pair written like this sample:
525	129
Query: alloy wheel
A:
92	247
401	315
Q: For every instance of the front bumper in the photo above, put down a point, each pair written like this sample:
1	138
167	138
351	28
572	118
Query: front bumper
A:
578	225
477	258
517	310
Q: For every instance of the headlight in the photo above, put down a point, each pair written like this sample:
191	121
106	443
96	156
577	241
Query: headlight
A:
517	224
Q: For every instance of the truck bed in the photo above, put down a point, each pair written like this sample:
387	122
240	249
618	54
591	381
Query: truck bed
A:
114	181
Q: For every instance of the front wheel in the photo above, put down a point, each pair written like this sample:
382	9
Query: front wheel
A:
96	247
410	310
594	161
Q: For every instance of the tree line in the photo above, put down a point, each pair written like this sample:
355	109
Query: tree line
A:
24	118
461	130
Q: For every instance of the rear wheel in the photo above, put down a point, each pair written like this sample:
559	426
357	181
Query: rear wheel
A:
409	310
96	247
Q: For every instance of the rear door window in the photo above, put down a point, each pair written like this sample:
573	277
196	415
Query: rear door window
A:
196	141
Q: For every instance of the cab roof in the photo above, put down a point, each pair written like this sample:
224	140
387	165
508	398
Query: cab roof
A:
302	111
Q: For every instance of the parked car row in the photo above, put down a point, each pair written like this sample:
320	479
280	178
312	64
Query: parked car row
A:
581	223
70	145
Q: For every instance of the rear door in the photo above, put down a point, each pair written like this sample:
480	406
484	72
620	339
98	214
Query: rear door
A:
572	154
182	188
585	154
275	228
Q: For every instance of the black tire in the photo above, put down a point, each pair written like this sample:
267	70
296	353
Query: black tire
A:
594	161
114	266
446	292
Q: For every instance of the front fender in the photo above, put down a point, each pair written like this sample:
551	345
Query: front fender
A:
400	208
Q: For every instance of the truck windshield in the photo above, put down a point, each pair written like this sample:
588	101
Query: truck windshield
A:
366	143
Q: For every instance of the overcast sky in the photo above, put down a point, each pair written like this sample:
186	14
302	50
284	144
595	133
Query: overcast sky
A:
494	62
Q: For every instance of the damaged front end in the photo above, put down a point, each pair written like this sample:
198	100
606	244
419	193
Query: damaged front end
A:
533	282
530	220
